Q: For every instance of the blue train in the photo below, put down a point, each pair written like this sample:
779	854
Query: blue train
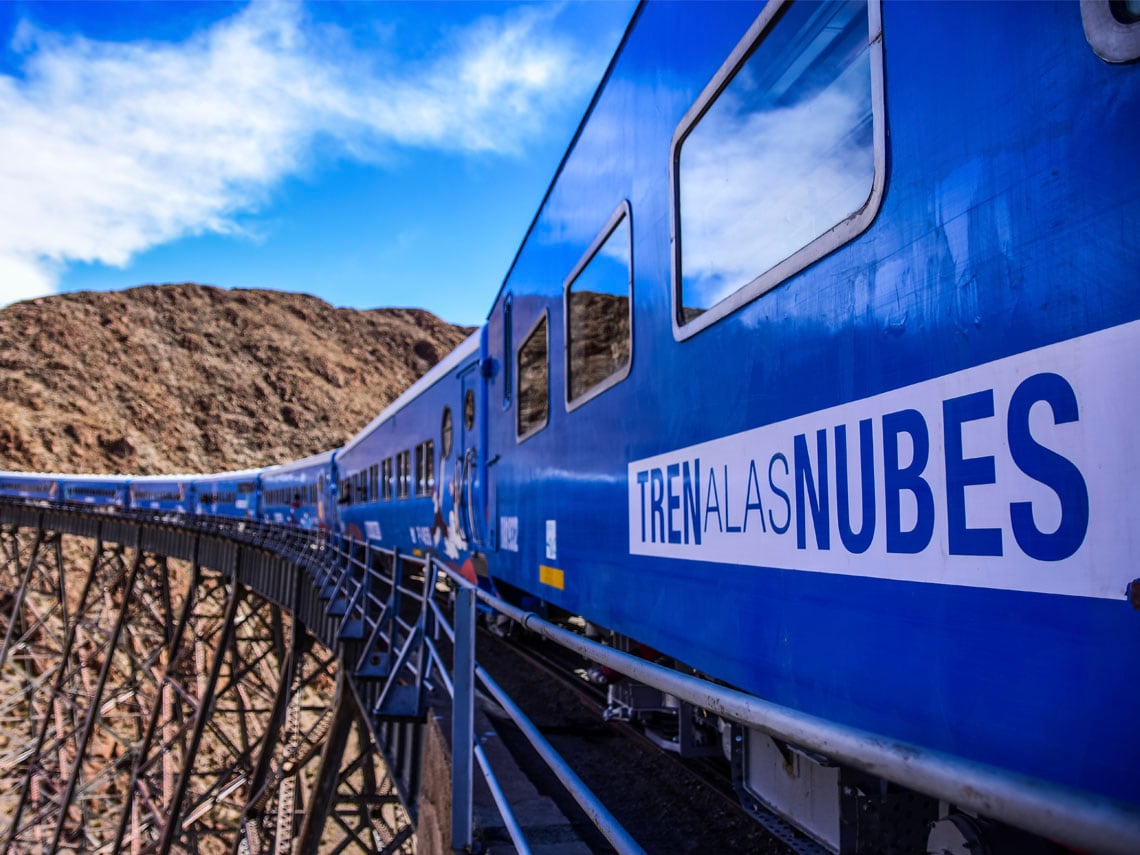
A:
816	372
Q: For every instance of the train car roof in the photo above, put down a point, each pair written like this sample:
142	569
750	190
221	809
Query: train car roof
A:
463	350
67	476
304	463
566	155
235	475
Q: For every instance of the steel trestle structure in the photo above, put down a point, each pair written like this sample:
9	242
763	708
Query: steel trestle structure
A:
159	692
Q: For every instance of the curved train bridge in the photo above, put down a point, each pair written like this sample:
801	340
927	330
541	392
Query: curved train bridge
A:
204	686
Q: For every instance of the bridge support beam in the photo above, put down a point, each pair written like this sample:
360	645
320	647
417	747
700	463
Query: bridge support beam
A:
158	704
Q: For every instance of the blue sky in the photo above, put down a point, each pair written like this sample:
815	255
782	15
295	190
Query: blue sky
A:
373	154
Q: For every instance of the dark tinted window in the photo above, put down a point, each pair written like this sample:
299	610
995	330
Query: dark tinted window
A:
534	380
598	334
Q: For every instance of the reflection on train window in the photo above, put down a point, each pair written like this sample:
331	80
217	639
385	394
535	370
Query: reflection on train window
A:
425	468
386	479
445	431
533	369
1125	11
598	331
403	474
469	409
775	156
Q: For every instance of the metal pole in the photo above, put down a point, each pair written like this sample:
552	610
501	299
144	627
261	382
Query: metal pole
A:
462	719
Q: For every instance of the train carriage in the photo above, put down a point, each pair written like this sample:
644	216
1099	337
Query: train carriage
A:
816	371
300	493
162	493
228	494
30	486
409	478
99	491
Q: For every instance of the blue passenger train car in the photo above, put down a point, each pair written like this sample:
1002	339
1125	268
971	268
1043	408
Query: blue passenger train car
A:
30	486
171	493
101	491
228	494
407	478
299	493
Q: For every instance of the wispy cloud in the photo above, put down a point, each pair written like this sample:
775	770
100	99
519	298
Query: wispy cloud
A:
108	149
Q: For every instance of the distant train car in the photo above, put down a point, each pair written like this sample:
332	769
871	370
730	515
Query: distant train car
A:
405	480
103	491
29	486
299	493
228	494
169	493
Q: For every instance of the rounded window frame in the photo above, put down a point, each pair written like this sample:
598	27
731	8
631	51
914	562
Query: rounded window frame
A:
1111	39
822	245
446	433
624	211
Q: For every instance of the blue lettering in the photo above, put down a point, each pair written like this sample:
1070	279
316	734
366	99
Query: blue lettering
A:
962	472
674	501
642	477
691	489
712	502
780	529
656	511
895	480
856	542
816	491
758	505
1048	467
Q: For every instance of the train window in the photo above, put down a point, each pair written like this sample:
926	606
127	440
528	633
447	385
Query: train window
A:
403	474
781	160
445	431
508	348
598	315
425	468
1112	28
374	482
469	409
386	479
533	368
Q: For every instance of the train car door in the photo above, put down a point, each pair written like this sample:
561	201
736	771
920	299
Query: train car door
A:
471	459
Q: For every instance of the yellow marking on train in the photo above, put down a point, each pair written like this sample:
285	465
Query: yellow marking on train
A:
552	576
419	553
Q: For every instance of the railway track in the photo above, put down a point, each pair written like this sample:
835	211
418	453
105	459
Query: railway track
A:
668	803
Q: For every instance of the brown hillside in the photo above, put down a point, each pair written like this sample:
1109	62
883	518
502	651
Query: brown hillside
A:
177	378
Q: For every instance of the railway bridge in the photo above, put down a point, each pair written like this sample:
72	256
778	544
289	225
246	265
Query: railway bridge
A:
206	685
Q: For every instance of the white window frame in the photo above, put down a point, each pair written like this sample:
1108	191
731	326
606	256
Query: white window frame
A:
1111	40
824	244
622	211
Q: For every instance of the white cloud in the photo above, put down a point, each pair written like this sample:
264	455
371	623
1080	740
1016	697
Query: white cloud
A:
108	149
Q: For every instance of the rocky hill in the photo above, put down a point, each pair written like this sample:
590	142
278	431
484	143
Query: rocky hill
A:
191	378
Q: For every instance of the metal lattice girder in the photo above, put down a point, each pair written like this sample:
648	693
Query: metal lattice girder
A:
65	630
152	705
354	805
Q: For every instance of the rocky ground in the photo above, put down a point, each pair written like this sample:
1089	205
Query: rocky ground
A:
192	378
